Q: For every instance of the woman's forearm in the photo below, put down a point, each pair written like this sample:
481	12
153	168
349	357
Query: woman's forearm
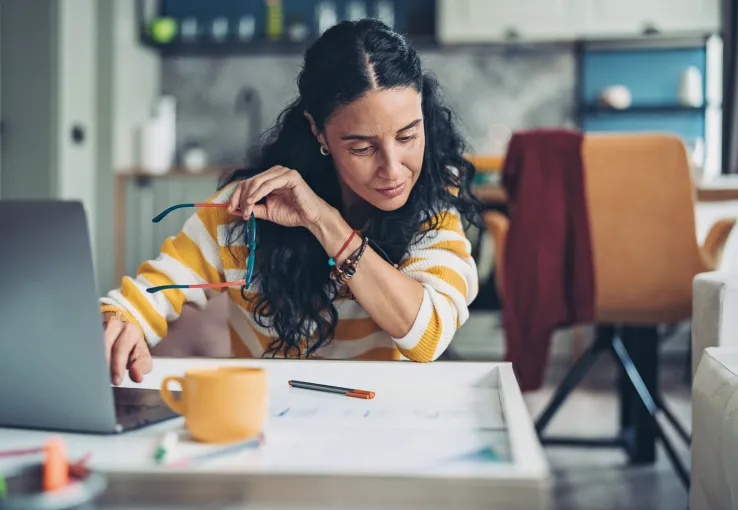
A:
391	298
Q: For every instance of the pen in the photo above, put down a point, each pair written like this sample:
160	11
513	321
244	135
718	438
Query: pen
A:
349	392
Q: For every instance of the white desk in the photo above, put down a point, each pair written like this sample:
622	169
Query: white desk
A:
412	446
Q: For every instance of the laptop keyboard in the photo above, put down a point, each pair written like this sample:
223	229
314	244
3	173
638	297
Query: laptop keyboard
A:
136	407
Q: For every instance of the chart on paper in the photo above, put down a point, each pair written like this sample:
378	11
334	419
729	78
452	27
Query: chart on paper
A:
477	409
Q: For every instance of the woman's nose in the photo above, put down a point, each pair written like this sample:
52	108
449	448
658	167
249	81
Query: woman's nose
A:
391	168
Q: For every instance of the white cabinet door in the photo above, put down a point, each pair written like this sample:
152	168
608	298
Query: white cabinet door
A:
479	21
690	15
631	18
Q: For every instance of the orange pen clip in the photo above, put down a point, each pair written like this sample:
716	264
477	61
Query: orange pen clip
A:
360	394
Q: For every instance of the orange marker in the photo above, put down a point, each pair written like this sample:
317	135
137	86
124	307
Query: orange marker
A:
56	468
349	392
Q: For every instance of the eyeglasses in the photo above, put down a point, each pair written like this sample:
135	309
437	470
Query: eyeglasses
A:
251	233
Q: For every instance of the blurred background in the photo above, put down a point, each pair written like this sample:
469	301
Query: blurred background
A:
132	105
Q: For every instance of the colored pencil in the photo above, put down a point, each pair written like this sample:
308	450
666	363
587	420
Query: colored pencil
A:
349	392
166	446
25	451
234	448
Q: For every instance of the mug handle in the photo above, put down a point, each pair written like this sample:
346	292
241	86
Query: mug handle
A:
174	404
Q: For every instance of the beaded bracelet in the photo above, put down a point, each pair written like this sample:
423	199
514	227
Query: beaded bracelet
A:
345	271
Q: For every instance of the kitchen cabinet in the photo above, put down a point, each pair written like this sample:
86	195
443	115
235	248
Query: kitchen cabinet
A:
628	18
482	21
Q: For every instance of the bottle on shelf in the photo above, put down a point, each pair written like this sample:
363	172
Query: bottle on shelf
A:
326	15
690	87
356	10
386	12
219	29
246	27
189	30
275	19
158	139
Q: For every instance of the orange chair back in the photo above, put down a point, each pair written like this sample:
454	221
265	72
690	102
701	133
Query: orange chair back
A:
641	208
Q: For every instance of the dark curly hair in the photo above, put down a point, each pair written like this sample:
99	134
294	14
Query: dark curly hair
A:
296	293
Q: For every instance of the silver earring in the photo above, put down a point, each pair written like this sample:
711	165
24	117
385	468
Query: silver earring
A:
323	150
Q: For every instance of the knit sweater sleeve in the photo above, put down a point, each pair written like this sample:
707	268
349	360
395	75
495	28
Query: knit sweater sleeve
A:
193	256
442	263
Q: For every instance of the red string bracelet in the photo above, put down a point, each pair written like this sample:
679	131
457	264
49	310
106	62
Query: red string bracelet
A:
332	260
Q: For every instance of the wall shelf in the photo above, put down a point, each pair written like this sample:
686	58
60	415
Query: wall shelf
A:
595	109
414	18
230	48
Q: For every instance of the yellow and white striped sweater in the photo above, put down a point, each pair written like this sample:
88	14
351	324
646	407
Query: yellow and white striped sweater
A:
441	262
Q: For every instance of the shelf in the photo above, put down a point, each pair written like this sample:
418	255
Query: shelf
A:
655	108
211	172
647	41
228	48
419	29
225	48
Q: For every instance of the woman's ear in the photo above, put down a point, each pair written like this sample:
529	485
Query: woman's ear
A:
314	129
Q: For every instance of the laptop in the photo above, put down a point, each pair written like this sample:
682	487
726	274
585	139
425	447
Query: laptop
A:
53	369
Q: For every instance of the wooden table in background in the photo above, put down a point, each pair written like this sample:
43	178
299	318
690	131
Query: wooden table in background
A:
722	189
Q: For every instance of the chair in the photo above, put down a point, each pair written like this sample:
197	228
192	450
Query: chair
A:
641	211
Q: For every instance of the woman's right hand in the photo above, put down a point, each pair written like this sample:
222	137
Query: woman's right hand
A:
126	349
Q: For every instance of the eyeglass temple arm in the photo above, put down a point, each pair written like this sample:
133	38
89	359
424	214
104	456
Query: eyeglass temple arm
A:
239	283
166	211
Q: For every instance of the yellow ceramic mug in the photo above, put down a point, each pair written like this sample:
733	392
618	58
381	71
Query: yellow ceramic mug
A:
220	405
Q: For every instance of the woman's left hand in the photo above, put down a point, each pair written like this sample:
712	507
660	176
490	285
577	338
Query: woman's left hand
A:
289	200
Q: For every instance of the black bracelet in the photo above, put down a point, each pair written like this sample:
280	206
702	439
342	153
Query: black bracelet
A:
347	269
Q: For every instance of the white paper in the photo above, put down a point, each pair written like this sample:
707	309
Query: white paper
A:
401	408
401	430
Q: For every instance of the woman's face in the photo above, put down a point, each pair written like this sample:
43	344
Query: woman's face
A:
377	144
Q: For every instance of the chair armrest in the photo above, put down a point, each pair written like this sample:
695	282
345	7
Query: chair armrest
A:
715	241
497	227
714	312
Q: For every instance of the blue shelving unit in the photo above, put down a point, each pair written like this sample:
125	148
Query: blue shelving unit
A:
652	74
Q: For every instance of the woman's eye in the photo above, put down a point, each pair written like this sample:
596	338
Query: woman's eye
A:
361	150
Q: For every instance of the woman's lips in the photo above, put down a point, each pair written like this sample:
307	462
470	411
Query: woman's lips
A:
392	192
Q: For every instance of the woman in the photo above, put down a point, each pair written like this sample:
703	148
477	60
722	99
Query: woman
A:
366	148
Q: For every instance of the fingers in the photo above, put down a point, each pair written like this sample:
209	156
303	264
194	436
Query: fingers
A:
283	180
248	197
261	211
235	201
112	331
122	349
139	362
239	203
